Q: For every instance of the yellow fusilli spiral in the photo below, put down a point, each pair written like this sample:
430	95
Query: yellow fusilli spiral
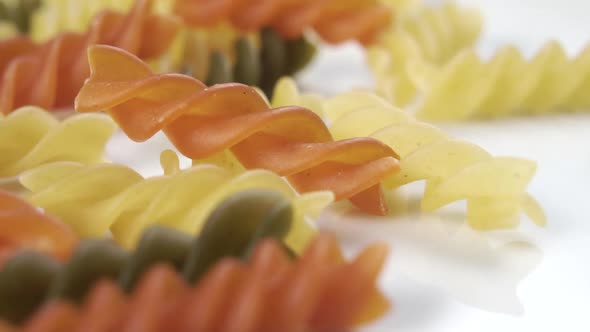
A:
494	187
98	198
430	34
30	137
469	87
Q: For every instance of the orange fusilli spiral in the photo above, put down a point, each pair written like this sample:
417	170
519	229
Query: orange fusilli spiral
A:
22	226
317	292
202	122
334	20
49	75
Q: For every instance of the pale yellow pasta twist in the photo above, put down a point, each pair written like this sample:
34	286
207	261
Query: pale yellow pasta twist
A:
430	34
469	87
30	137
98	198
494	187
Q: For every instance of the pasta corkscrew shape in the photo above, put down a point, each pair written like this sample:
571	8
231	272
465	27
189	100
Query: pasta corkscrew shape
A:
494	187
334	20
312	290
49	75
507	84
22	226
433	35
30	137
205	122
98	198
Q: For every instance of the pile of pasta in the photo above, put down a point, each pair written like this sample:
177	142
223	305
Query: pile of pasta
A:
99	198
427	62
233	124
50	74
31	137
250	42
245	279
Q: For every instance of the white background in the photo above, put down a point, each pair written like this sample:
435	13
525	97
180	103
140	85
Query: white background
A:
448	279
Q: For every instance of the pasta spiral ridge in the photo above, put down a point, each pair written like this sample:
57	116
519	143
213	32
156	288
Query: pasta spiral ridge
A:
494	187
56	16
30	137
203	122
505	85
98	198
49	75
268	293
232	230
252	60
335	21
23	226
433	35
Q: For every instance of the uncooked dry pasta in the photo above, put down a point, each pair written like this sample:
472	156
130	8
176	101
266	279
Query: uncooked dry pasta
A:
470	87
269	292
95	199
494	187
31	137
233	120
433	35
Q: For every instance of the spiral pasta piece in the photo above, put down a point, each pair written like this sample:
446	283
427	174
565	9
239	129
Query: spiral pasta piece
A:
335	21
268	293
95	199
22	226
30	279
49	75
31	137
507	84
207	122
433	35
494	187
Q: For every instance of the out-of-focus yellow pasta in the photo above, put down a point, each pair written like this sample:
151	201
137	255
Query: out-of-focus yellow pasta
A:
287	93
30	137
469	87
432	35
494	187
98	198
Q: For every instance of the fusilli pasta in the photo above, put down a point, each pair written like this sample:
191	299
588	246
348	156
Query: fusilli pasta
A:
205	122
98	198
469	87
49	75
334	20
267	293
30	137
433	35
494	187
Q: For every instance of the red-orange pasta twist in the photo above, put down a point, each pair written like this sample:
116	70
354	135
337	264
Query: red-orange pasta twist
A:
22	226
49	75
200	121
334	20
317	292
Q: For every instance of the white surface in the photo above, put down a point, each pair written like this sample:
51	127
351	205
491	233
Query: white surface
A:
442	278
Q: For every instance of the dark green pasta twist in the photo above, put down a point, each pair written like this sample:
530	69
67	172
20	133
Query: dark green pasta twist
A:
233	229
262	66
20	14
